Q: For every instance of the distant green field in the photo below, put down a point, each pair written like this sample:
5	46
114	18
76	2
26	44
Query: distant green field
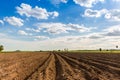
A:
95	51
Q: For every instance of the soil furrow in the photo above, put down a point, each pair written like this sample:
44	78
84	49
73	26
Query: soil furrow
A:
69	73
92	71
37	69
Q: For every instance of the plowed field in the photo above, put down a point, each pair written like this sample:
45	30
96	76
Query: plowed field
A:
59	66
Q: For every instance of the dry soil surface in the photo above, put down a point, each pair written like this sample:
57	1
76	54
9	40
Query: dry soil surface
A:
59	66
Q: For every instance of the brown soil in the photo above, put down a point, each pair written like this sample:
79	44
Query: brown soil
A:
59	66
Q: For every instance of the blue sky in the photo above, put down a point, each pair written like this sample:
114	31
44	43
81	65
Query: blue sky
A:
59	24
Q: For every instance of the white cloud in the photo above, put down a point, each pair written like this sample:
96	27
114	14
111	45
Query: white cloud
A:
64	1
54	14
116	0
41	37
2	35
87	3
21	32
94	13
113	31
75	42
56	2
110	32
113	15
77	27
95	35
37	12
1	22
58	28
14	21
56	44
54	28
32	30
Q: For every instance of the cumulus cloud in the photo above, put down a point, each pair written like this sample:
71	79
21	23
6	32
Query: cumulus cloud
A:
56	2
113	31
95	13
77	27
53	28
113	15
21	32
87	3
110	32
36	12
58	28
54	14
14	21
1	22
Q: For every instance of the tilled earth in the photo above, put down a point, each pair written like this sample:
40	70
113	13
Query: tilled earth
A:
59	66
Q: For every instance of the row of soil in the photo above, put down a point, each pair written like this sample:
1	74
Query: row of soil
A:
21	67
106	70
